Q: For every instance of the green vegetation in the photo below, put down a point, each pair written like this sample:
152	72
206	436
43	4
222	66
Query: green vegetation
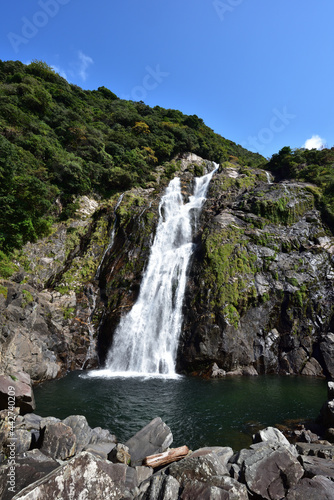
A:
229	265
3	291
58	141
316	167
27	298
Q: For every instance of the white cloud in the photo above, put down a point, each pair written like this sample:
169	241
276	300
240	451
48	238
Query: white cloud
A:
60	72
315	142
85	62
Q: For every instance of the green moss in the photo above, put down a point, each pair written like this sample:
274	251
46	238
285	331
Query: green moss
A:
231	315
7	267
230	267
68	312
3	291
27	298
293	282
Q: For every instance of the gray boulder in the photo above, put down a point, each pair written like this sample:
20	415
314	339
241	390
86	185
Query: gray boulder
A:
316	450
163	488
59	441
84	476
330	390
200	466
16	389
315	466
276	437
81	430
327	352
269	473
205	491
317	488
120	454
100	449
29	467
154	438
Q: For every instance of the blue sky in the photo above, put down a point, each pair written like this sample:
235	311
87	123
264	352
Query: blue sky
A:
258	72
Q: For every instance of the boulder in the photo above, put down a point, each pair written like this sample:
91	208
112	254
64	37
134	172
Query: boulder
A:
330	390
196	489
316	450
16	390
163	487
276	437
327	351
59	441
98	434
29	467
101	449
327	414
316	488
215	372
154	438
224	453
200	466
312	368
81	430
22	440
120	454
315	466
84	476
269	473
29	421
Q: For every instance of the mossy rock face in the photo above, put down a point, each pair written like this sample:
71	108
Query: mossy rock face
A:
283	203
261	283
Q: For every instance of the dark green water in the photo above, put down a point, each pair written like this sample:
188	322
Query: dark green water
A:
199	412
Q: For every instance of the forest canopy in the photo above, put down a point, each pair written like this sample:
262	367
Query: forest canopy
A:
58	141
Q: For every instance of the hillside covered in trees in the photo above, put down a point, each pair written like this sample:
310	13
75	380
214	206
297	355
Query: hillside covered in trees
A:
58	141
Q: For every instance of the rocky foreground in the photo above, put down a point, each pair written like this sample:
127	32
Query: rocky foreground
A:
49	458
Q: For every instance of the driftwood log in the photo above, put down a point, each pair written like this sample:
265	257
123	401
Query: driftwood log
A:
167	457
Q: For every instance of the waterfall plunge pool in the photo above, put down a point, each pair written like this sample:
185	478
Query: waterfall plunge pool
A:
224	412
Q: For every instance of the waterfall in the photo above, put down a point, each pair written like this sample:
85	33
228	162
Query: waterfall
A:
269	177
146	339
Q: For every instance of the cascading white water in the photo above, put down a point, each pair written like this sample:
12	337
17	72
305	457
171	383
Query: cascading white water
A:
145	342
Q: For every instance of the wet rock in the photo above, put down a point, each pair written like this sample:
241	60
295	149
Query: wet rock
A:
59	441
154	438
330	390
327	352
249	371
215	372
312	368
16	390
327	414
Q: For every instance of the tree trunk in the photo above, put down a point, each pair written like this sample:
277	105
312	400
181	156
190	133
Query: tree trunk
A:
167	457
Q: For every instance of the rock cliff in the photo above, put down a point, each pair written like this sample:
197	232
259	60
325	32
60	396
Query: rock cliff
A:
259	297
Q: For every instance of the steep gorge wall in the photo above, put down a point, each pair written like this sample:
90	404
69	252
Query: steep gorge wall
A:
259	297
260	294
